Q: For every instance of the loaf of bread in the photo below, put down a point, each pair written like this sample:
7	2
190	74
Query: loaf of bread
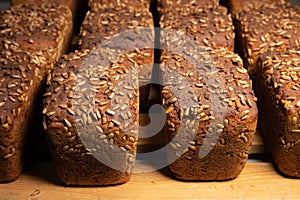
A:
110	21
209	26
91	116
96	5
29	28
211	114
72	4
266	27
120	22
237	5
279	106
32	38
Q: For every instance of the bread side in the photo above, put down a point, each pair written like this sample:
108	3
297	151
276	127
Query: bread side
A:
277	89
19	83
25	60
197	123
271	26
93	140
209	26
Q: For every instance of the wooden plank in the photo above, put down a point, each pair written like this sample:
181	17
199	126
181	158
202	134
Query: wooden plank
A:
257	181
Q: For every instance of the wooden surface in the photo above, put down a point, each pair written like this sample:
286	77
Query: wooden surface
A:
258	181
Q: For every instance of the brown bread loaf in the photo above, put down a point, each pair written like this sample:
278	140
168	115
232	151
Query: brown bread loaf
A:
263	27
208	140
236	6
72	4
208	26
84	132
116	22
110	21
32	38
279	105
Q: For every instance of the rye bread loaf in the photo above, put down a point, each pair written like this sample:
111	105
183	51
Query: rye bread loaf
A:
29	28
115	25
96	5
236	6
93	136
263	27
211	114
72	4
109	21
277	84
209	26
32	38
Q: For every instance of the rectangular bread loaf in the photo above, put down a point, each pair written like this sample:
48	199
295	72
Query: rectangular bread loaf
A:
72	4
78	8
263	27
32	38
116	24
237	5
96	5
91	116
209	26
110	21
28	28
277	88
211	114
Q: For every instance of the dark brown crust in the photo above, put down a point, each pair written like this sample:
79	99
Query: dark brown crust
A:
22	74
96	5
107	22
277	86
208	26
115	124
263	27
236	130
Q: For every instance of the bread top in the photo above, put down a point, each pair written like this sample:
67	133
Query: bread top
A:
19	75
208	26
171	4
68	3
96	5
218	83
108	22
33	27
268	27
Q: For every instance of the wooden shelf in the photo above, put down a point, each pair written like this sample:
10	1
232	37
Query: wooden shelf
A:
257	181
